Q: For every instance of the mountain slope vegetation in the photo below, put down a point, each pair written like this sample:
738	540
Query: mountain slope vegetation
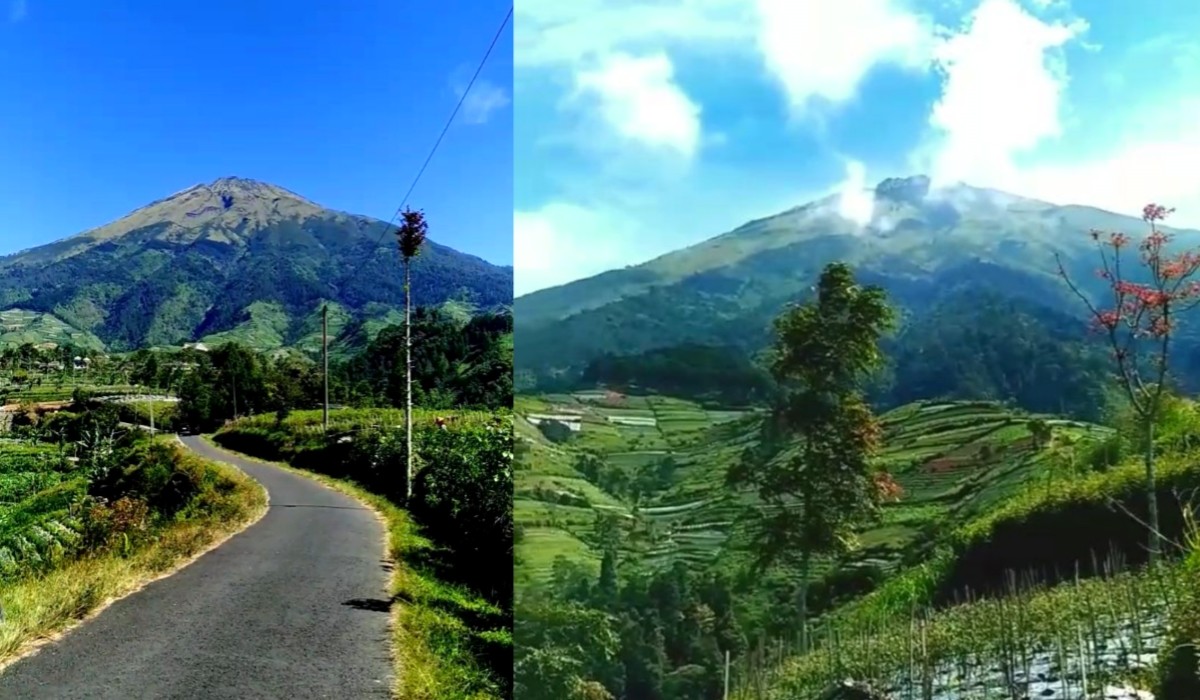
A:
233	254
925	247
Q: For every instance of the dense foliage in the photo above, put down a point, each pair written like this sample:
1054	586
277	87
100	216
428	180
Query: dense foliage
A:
992	347
971	348
651	636
724	375
454	365
77	483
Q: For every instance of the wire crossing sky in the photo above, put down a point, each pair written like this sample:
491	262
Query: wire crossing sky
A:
106	107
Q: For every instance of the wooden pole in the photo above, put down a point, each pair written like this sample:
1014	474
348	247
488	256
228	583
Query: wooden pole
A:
325	363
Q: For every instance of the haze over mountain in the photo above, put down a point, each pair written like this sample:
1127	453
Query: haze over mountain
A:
234	256
924	246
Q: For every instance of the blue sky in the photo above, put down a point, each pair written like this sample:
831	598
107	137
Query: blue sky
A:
107	106
643	127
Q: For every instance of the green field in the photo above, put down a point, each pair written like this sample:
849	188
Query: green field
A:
36	492
19	326
954	460
556	507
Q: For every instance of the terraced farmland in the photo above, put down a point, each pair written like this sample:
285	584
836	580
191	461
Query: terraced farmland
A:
556	506
37	491
953	460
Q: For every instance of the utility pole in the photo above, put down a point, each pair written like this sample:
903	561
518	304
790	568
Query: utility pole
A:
726	696
325	362
408	444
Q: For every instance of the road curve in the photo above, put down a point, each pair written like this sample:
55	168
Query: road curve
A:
293	607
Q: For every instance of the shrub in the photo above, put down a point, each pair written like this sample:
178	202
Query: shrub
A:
1092	517
117	524
464	496
155	472
1179	666
463	482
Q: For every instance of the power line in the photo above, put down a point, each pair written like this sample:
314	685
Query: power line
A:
438	142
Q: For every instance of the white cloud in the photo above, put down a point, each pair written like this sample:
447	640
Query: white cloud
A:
1002	103
814	50
557	33
640	100
1002	89
856	200
484	99
823	50
1155	163
560	242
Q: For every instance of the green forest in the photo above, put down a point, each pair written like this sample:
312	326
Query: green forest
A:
979	347
455	365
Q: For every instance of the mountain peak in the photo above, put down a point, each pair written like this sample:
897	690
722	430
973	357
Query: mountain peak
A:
237	187
912	190
218	210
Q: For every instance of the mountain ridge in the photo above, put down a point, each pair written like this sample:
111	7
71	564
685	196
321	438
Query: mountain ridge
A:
194	263
921	243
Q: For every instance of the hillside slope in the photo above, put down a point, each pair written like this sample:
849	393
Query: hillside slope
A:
922	246
234	252
954	461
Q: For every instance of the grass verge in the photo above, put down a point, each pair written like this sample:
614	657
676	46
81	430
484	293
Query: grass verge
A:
440	633
40	608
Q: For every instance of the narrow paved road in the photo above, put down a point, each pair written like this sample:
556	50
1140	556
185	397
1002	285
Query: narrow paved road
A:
290	608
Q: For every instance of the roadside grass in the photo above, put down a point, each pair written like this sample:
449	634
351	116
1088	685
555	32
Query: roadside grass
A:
40	607
307	423
446	641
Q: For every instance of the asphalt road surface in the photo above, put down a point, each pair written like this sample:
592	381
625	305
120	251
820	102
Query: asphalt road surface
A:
293	607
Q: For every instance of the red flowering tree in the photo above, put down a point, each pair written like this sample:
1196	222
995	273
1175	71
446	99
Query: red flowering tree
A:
1138	320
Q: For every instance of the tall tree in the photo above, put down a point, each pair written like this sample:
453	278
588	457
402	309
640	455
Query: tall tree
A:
1139	326
410	236
813	470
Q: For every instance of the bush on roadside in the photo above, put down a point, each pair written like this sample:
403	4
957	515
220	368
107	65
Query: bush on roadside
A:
154	472
464	495
462	488
119	524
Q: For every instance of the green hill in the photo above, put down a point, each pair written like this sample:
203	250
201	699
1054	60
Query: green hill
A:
954	460
21	326
234	258
924	247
